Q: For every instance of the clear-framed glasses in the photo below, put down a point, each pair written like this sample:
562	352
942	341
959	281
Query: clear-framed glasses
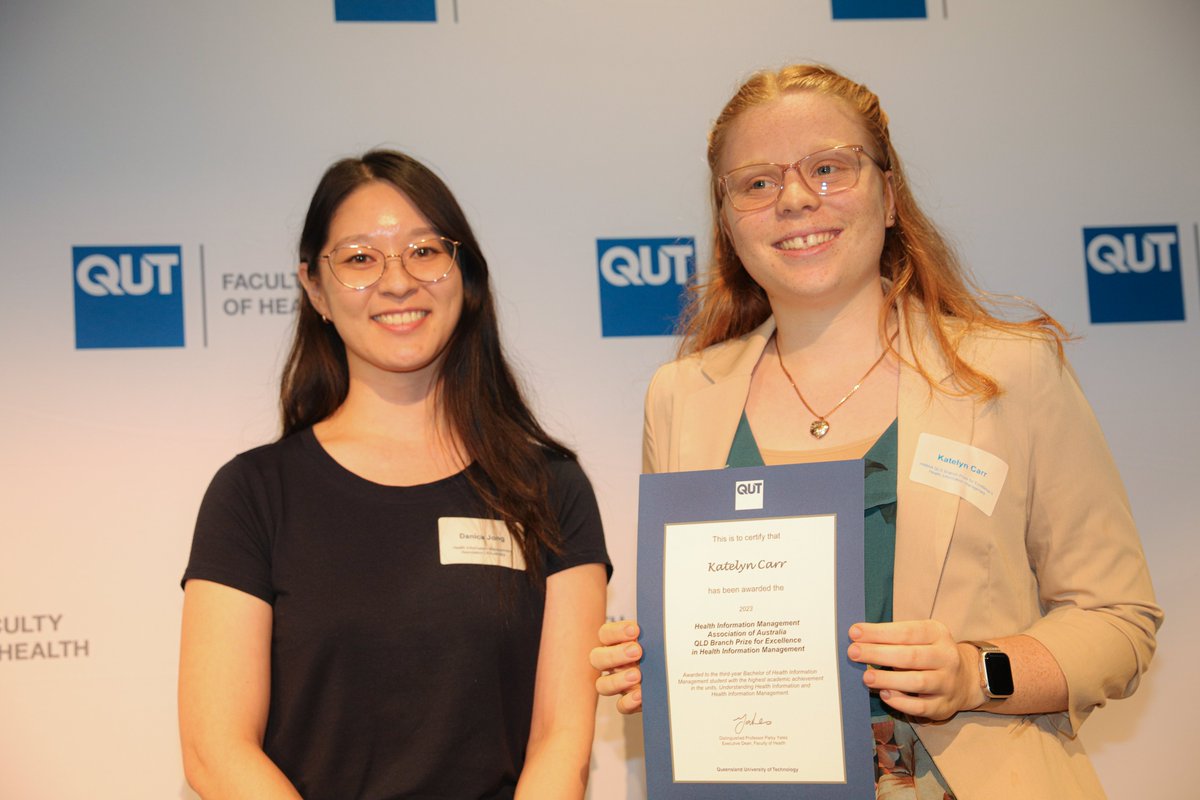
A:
360	266
824	172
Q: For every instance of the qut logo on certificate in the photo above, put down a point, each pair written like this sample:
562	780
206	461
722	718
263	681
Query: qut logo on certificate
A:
744	608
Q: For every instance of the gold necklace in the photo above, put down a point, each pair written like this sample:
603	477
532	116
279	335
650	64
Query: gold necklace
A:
820	427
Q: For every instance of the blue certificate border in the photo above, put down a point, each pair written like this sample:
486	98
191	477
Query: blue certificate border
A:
793	490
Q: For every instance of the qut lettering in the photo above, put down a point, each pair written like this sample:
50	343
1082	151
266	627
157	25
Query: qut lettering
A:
100	276
1109	254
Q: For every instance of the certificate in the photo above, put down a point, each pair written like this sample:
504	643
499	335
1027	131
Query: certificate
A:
748	580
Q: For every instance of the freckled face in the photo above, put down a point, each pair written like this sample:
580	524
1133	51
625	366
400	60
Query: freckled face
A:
806	250
399	325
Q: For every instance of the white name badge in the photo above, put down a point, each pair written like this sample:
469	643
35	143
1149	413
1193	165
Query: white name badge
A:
975	475
467	540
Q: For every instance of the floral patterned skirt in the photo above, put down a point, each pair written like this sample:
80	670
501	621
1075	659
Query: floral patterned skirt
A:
904	770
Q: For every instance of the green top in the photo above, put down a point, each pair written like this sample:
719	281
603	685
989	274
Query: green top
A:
879	519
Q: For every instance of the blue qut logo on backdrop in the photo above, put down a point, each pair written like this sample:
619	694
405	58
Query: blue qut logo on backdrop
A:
128	296
879	9
643	283
385	10
1133	274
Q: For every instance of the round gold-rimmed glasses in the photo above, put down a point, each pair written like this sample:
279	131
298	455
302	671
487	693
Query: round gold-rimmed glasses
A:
358	266
824	172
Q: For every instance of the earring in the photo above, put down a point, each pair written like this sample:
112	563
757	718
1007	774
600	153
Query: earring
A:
325	319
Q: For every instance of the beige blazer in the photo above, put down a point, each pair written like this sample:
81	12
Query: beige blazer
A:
1058	558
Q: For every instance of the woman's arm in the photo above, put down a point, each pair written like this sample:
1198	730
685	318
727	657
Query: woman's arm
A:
224	694
932	676
1098	619
564	701
1101	618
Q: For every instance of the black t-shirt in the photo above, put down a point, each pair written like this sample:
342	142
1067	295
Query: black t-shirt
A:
393	674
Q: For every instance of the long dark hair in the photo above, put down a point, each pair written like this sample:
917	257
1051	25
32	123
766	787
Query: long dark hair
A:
476	389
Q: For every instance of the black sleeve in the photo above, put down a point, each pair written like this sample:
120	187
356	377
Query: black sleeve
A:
231	544
578	518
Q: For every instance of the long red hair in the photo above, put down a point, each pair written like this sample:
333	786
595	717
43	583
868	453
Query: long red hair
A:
921	266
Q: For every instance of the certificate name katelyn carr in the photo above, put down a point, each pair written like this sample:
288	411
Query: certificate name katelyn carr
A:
751	645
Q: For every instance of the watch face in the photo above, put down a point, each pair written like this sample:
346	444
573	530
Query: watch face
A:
998	670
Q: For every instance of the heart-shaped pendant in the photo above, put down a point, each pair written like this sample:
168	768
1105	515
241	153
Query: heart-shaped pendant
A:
819	428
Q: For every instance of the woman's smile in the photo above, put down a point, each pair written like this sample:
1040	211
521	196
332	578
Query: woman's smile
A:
804	242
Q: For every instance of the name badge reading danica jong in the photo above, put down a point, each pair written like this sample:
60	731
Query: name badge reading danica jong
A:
975	475
467	540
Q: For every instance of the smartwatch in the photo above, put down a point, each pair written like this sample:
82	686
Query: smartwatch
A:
995	671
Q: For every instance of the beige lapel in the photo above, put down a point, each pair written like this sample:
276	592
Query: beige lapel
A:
925	516
711	414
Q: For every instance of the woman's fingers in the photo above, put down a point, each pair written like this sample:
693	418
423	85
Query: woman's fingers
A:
631	702
623	630
916	666
619	682
615	656
617	659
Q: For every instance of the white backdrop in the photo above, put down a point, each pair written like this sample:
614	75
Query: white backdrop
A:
206	125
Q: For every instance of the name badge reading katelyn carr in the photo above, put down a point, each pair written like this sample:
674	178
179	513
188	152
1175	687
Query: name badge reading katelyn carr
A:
467	540
975	475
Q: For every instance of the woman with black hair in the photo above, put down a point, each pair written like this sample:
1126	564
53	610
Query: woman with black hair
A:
397	598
